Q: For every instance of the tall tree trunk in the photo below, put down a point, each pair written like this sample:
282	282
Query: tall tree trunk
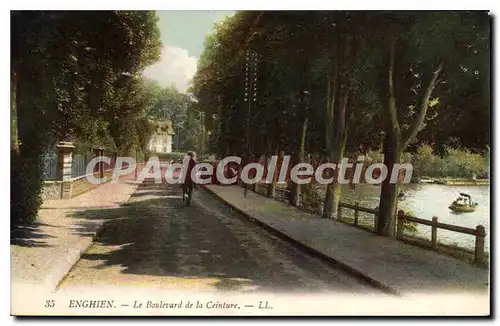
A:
385	221
295	187
330	101
302	158
336	140
395	144
392	151
13	112
271	188
299	157
333	190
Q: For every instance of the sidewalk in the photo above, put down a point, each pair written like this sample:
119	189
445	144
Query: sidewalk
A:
388	263
42	254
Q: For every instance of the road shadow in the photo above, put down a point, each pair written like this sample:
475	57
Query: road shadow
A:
156	235
31	235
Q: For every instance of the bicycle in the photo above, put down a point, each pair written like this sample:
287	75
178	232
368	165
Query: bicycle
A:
187	193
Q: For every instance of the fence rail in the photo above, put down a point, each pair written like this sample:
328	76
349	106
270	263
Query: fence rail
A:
479	232
79	164
357	209
50	170
51	165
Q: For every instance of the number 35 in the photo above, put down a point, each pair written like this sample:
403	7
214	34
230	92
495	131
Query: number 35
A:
50	304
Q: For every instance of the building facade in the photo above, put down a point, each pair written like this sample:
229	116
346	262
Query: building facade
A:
161	139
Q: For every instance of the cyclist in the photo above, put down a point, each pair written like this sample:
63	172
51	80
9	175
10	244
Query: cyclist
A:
188	185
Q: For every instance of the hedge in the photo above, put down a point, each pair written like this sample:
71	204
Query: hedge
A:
25	189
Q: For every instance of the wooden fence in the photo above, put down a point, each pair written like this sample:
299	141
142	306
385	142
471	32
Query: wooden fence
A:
479	232
356	209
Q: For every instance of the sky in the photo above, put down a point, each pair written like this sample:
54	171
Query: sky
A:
183	35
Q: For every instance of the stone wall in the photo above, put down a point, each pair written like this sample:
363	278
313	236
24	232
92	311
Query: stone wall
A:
67	186
82	185
51	190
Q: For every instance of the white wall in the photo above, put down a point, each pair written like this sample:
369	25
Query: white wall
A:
160	143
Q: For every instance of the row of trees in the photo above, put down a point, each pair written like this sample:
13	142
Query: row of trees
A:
76	76
328	83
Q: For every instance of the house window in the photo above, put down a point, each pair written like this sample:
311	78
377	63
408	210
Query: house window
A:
165	144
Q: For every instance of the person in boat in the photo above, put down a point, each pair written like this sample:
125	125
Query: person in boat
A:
458	202
467	200
463	200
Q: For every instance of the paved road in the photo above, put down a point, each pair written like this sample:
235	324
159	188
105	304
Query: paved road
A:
154	241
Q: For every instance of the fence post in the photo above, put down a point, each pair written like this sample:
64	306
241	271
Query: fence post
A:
339	212
271	190
255	187
479	249
375	220
434	232
400	224
356	213
99	151
65	151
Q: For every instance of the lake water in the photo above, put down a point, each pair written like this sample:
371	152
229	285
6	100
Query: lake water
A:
428	200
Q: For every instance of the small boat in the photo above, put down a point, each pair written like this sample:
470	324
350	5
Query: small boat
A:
426	180
463	204
462	209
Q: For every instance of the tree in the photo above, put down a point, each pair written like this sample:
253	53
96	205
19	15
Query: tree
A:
419	48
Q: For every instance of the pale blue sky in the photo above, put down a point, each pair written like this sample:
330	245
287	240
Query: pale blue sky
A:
183	34
188	29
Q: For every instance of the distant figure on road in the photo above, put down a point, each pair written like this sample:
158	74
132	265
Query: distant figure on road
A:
187	187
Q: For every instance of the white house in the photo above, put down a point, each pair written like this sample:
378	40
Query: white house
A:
161	139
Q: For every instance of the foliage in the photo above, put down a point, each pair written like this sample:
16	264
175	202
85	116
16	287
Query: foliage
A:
82	61
311	197
410	226
195	137
456	163
25	189
169	156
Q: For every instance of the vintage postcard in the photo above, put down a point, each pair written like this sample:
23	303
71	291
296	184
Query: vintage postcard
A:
250	163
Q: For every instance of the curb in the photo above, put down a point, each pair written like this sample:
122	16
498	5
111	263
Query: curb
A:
311	251
57	278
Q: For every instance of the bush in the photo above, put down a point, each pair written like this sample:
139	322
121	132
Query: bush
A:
457	163
142	156
311	198
410	226
25	189
376	156
168	156
463	163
